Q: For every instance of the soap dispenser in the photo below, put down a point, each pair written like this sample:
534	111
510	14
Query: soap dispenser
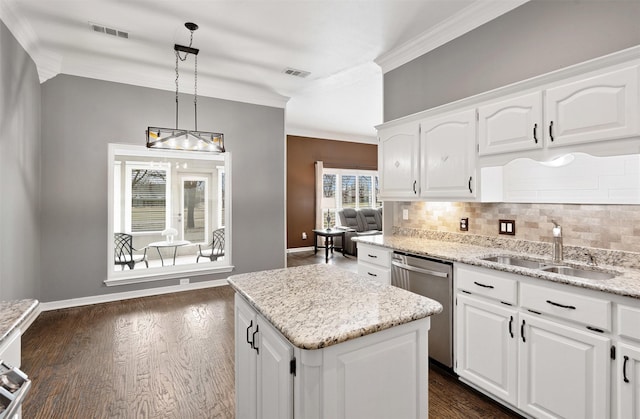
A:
557	242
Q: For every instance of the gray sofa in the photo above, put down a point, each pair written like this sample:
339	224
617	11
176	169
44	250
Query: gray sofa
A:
361	222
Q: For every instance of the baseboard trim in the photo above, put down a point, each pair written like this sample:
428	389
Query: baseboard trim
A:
117	296
300	249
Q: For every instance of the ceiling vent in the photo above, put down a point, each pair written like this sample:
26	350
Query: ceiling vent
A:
97	27
296	73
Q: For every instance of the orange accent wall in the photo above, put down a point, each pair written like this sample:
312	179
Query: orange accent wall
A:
302	153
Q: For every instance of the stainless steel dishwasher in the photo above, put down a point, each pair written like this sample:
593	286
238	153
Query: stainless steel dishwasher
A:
433	279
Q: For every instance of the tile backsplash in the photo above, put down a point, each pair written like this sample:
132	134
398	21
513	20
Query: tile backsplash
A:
613	227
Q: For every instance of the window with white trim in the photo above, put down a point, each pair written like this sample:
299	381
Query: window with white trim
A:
347	188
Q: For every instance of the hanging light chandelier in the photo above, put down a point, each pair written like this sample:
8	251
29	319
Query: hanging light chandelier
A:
182	139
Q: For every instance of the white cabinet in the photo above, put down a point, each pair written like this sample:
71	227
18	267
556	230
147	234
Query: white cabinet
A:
398	161
512	124
628	381
486	345
264	383
511	347
448	156
603	106
374	262
564	371
379	375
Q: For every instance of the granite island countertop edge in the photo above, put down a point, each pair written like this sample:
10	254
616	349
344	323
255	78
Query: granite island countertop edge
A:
314	318
13	314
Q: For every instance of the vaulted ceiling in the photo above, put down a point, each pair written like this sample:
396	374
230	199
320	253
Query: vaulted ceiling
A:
245	46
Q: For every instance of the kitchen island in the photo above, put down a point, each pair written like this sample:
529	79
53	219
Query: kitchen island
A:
318	342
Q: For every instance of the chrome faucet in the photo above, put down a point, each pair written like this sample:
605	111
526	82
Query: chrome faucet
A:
557	242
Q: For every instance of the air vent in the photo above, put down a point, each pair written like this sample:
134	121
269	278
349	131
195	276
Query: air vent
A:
97	27
296	73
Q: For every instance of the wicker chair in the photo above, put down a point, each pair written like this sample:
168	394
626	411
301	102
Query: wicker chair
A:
123	251
213	250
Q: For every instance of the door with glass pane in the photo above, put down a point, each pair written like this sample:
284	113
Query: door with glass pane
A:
194	211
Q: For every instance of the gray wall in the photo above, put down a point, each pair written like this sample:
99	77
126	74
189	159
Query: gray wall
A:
19	171
81	116
536	38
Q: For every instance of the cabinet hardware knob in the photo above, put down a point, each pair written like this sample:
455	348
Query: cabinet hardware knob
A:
535	136
624	369
551	130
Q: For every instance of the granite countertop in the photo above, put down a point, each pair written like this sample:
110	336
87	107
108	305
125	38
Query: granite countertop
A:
13	314
317	306
625	283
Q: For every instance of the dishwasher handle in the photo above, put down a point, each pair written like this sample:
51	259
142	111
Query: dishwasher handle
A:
420	270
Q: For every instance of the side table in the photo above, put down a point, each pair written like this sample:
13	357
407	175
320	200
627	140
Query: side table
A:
329	234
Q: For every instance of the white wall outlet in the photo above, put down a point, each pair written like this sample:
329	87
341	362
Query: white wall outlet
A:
304	236
184	281
405	214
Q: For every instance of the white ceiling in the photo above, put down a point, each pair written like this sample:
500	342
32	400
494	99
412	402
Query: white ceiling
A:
245	46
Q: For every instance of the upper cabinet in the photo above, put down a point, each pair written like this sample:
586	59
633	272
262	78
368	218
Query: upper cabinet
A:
592	108
398	161
597	108
447	156
512	124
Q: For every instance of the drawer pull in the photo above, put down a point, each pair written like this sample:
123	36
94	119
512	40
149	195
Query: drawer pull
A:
483	285
522	332
511	324
624	369
370	274
372	256
561	305
253	338
249	327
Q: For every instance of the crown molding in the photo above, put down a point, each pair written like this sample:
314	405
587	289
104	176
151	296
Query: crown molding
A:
48	65
471	17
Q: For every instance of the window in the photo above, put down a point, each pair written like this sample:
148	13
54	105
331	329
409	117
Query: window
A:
169	203
344	188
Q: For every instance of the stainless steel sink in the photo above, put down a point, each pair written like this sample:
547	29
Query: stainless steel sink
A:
580	273
597	275
513	261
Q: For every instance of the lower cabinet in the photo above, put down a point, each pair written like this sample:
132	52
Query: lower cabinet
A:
628	381
564	371
536	364
487	346
379	375
374	262
264	382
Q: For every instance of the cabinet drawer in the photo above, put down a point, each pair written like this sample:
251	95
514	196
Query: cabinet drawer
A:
567	305
488	283
375	255
375	272
628	322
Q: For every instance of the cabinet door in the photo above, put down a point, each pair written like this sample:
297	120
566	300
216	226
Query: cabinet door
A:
246	359
513	124
447	156
486	346
602	107
275	381
563	371
398	161
628	376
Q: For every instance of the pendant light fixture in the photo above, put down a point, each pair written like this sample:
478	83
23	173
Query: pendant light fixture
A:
182	139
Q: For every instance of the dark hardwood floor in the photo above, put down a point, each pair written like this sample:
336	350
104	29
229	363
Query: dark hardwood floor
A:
168	356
